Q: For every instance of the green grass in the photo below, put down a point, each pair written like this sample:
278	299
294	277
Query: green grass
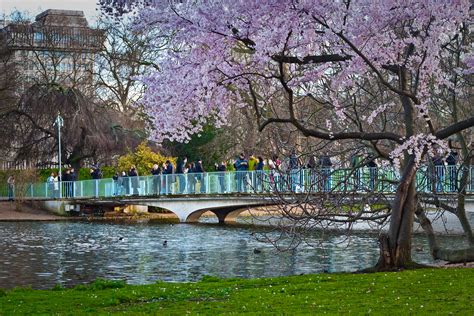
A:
417	292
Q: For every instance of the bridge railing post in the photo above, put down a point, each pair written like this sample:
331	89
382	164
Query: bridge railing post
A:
228	182
471	179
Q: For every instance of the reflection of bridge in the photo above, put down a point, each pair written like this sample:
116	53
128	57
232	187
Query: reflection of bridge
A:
228	193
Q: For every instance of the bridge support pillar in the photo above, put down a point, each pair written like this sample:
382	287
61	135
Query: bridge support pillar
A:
220	216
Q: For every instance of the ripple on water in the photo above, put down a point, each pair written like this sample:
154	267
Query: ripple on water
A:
45	254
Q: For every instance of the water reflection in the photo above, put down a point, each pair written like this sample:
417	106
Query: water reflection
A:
45	254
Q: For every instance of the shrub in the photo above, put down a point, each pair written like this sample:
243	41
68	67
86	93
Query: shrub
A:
143	159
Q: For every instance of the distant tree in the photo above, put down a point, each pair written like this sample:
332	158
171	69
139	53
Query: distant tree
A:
54	72
126	54
90	132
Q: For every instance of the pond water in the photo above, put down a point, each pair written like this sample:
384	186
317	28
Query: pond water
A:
43	254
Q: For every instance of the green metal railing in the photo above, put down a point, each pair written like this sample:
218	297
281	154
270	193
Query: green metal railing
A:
435	179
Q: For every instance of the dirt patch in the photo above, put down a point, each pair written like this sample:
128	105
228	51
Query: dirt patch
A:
457	265
15	211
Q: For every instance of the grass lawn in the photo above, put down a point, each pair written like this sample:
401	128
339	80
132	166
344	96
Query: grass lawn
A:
425	291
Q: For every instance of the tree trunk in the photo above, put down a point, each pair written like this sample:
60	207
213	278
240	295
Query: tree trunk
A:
395	245
450	255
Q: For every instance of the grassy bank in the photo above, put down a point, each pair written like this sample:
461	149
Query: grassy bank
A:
426	291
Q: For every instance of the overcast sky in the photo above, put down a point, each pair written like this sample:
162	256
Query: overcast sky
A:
33	7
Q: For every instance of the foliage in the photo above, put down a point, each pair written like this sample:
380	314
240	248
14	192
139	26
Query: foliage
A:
143	159
97	131
23	179
366	69
84	174
425	291
107	171
200	146
41	175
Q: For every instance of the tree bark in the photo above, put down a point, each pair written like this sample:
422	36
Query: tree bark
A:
395	245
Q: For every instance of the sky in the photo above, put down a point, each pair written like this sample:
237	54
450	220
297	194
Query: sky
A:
34	7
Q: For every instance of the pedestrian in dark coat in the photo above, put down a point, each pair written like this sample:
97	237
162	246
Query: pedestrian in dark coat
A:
451	160
191	178
72	184
221	168
133	174
199	170
96	175
259	174
180	167
168	176
241	167
156	173
66	185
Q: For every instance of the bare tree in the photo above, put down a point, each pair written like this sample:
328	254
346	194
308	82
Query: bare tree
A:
125	54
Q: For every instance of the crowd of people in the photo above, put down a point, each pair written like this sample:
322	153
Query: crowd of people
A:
191	176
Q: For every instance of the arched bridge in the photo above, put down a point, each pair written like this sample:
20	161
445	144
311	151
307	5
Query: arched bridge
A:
189	209
227	193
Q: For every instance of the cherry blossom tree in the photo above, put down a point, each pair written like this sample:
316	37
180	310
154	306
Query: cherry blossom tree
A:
255	53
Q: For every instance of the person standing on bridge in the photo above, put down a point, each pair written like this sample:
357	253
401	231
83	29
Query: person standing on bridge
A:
373	172
356	160
438	173
252	174
65	182
200	176
125	184
135	181
259	173
325	165
50	182
11	187
191	178
73	179
156	182
451	160
168	175
241	167
294	172
221	168
96	176
180	166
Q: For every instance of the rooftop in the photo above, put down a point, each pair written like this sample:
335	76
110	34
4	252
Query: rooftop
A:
54	17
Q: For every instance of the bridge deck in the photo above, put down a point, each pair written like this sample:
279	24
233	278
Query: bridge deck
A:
444	180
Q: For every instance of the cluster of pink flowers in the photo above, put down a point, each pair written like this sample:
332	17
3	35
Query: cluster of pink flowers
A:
223	47
419	145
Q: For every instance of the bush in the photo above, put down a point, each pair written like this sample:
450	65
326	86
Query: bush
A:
143	159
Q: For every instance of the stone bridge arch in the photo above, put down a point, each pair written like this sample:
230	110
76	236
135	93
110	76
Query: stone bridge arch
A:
189	210
223	214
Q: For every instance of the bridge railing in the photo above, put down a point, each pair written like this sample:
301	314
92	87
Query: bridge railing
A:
429	179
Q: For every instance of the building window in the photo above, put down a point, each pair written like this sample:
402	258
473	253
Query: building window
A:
39	36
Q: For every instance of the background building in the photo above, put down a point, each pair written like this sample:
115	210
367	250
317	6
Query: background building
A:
59	47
